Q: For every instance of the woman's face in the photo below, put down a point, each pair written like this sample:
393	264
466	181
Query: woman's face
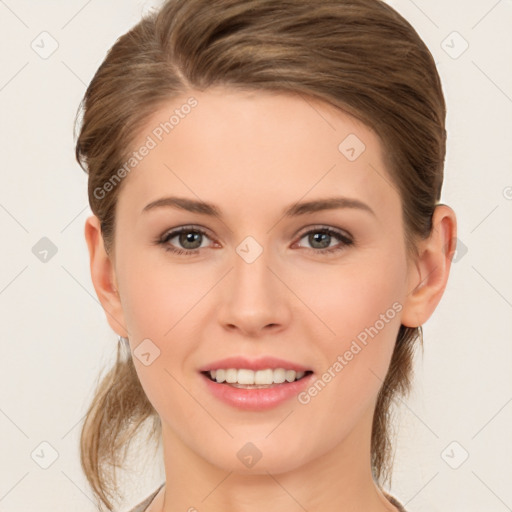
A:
319	288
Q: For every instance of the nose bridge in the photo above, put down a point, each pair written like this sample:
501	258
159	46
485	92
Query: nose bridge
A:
252	278
253	298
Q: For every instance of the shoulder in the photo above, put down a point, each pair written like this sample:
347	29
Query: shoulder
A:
395	502
143	505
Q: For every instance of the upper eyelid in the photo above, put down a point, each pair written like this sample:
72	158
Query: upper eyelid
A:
321	227
180	229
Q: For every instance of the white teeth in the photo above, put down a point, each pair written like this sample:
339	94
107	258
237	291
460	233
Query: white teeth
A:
279	375
290	375
264	377
259	377
231	375
245	377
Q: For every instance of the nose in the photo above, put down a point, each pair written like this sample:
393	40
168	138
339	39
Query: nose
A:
254	298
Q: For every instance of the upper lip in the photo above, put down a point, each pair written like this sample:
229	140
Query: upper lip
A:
261	363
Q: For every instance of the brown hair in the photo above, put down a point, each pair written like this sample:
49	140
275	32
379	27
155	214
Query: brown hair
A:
359	55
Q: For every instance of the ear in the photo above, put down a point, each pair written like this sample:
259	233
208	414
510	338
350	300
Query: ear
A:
428	275
103	276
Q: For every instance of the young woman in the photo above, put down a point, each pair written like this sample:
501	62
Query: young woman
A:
267	241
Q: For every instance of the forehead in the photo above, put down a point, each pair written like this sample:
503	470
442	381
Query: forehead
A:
266	148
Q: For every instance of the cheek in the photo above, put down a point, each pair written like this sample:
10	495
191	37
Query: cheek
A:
361	307
352	298
158	307
155	298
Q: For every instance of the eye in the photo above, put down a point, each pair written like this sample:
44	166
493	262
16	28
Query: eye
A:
190	238
320	239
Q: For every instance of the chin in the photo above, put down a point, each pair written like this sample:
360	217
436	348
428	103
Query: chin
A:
258	457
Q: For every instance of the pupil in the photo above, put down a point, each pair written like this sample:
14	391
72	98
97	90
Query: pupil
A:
189	237
317	237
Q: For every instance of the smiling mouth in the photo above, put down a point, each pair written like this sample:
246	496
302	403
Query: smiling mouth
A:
250	379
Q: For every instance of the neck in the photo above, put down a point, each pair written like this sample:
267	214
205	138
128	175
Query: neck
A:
338	480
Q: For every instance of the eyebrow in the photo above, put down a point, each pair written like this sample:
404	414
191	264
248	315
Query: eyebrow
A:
296	209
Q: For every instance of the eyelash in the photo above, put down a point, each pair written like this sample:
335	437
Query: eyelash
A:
346	241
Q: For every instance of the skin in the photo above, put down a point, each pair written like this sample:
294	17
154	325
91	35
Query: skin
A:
252	154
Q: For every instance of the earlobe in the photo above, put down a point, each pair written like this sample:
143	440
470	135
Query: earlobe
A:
429	275
103	276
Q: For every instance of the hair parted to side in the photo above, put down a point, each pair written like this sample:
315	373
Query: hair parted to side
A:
360	56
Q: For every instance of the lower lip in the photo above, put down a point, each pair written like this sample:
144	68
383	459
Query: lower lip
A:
257	399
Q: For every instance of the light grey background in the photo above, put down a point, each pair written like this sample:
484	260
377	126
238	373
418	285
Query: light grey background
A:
55	337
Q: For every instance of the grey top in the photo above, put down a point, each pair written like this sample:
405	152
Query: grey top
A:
141	507
394	502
